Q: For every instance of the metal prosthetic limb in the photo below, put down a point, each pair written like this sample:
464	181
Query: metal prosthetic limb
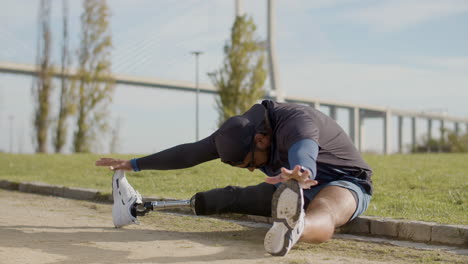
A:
143	209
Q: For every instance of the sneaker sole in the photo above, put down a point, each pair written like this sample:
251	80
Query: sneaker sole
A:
286	209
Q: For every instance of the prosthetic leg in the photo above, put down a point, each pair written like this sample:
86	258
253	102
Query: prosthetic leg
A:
143	209
254	200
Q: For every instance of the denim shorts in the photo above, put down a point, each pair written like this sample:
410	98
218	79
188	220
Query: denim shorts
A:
362	198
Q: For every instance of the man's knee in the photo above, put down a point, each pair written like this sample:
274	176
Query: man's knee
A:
317	231
320	221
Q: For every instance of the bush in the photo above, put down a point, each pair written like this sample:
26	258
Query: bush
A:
450	143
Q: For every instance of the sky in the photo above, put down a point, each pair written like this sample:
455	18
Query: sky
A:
404	54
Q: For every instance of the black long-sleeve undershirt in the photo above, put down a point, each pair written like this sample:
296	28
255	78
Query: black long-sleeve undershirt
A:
181	156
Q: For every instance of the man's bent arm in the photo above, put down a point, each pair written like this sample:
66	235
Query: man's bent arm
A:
304	153
179	157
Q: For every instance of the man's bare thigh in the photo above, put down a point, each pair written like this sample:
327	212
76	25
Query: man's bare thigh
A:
334	200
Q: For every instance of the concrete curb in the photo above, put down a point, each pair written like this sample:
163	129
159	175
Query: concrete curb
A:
56	190
427	232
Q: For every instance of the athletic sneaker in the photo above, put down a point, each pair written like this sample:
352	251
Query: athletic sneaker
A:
125	197
288	216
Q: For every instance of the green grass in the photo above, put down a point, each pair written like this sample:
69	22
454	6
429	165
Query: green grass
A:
427	187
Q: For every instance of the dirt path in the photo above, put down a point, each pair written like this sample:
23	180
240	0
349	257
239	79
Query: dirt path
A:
41	229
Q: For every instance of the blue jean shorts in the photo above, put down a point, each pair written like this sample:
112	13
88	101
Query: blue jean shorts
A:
362	198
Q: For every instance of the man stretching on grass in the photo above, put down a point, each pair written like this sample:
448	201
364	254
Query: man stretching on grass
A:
317	179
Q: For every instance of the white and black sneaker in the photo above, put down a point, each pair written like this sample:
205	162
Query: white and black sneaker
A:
288	216
125	199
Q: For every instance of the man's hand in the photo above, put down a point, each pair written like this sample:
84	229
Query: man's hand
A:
115	164
296	174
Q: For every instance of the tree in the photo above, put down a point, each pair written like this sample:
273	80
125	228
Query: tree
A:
94	81
42	86
240	80
66	92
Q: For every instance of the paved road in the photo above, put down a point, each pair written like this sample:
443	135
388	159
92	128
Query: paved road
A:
44	229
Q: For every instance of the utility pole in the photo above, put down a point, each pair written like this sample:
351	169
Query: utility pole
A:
239	9
12	118
274	75
197	54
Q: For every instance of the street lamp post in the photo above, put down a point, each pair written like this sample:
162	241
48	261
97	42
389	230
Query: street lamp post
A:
11	118
197	54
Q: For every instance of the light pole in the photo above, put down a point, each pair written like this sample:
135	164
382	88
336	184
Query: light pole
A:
11	118
197	54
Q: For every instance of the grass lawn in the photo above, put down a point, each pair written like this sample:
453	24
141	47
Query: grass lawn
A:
427	187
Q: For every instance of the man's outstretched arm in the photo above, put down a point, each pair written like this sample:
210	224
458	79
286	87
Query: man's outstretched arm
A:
178	157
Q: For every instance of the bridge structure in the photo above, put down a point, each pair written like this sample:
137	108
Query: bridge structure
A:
357	112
